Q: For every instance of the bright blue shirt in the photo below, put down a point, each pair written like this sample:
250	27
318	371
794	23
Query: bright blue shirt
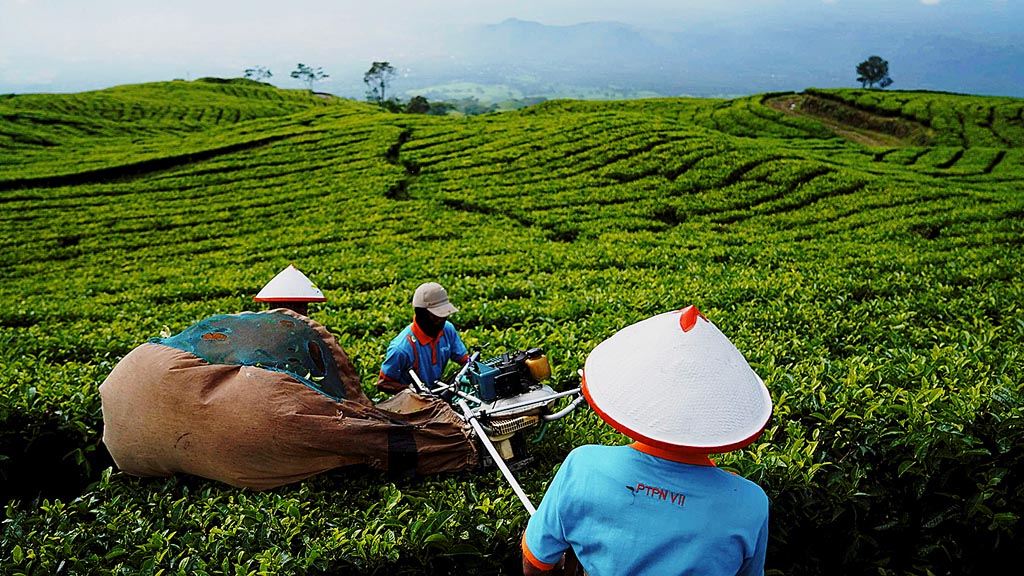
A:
624	511
413	349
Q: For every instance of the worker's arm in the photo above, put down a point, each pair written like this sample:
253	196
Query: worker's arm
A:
531	570
544	534
532	566
565	567
397	361
385	384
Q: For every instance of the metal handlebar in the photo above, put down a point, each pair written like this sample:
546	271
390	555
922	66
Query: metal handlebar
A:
498	460
548	398
564	411
465	367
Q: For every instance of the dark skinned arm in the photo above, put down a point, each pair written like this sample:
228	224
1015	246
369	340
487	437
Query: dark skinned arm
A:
388	385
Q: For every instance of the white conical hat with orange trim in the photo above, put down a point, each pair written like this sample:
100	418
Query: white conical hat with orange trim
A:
674	381
290	285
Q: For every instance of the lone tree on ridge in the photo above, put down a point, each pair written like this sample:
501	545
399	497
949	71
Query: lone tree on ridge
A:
873	71
308	74
377	80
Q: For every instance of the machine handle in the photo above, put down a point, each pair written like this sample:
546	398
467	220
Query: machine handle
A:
498	460
564	411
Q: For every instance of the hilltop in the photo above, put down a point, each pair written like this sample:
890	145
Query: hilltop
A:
220	116
861	248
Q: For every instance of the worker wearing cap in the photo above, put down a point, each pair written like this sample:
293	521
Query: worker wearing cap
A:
680	389
426	345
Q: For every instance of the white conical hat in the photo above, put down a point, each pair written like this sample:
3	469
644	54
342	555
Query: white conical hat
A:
674	381
290	285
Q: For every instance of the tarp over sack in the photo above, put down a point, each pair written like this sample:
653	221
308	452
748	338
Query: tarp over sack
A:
261	399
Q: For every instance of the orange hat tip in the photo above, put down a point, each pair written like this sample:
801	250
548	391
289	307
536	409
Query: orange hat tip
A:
688	317
676	382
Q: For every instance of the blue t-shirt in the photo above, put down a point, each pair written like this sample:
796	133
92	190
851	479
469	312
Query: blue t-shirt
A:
412	349
627	512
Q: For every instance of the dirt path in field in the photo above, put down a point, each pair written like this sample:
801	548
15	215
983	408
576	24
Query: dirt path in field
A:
852	123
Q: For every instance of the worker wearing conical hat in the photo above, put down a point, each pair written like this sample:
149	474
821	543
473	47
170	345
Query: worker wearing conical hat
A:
426	345
291	289
682	391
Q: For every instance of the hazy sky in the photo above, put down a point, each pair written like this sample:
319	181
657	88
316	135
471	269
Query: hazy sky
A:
73	45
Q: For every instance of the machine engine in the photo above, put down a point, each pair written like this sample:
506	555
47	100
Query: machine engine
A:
509	386
510	374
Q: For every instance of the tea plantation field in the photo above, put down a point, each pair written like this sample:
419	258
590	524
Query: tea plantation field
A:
876	289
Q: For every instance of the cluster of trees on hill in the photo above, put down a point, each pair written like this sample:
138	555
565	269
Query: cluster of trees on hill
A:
378	82
378	78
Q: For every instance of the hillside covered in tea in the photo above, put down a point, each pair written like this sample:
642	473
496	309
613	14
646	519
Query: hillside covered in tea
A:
863	249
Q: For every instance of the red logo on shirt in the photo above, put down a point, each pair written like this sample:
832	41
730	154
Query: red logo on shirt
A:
658	493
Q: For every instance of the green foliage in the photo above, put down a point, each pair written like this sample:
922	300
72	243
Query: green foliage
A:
956	120
258	73
876	291
873	71
308	75
377	79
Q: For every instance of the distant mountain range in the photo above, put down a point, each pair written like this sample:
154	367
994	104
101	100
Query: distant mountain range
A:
518	58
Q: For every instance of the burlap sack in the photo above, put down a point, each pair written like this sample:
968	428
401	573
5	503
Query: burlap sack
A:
167	411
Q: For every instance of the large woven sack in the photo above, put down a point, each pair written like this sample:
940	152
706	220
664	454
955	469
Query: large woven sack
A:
167	411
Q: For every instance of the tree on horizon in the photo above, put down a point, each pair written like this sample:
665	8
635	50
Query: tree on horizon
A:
873	71
308	74
258	73
377	80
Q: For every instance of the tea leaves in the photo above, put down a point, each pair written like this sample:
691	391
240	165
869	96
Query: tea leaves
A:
875	289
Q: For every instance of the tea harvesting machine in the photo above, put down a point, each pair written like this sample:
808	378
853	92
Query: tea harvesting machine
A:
503	398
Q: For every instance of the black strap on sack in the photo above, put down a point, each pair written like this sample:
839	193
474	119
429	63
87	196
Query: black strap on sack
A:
402	455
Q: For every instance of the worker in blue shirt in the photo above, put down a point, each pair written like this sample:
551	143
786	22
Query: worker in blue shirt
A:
676	386
425	346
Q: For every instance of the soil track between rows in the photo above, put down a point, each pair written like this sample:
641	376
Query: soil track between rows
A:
852	123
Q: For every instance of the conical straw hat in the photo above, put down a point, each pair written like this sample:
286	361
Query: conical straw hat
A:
674	381
290	285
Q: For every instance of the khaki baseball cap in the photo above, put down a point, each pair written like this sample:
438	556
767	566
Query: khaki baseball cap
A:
434	298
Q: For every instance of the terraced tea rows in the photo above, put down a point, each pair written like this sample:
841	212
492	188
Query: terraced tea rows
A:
875	289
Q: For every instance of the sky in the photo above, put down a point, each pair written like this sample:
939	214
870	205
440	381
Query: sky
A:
78	45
